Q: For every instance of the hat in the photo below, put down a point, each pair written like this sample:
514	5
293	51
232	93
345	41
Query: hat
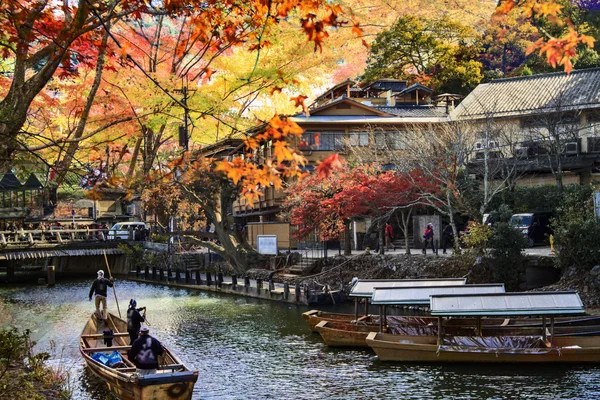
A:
132	303
100	274
144	329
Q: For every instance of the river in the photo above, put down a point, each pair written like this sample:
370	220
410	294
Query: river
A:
253	349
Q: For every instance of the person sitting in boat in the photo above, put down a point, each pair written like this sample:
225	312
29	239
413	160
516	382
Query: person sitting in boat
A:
144	352
134	320
99	287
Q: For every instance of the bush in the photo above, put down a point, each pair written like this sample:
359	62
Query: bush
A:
542	198
506	254
24	375
577	242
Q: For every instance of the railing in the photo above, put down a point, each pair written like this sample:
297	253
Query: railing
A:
60	236
36	236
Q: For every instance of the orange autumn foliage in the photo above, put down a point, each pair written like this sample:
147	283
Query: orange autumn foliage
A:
558	51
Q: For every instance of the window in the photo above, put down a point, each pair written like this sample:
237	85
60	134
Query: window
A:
359	139
327	140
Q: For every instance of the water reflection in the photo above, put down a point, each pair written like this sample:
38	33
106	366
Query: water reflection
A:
249	349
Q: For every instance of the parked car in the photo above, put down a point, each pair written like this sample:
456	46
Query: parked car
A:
121	230
534	226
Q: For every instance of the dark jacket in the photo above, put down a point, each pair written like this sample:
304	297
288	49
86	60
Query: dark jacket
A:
100	286
134	320
145	351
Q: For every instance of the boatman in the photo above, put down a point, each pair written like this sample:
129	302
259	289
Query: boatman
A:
99	287
134	320
144	352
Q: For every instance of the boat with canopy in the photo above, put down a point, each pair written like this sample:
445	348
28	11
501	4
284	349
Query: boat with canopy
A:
477	348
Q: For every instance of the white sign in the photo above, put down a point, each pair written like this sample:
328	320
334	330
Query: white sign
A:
597	203
267	244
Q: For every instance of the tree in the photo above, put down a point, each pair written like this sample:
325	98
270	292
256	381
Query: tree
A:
559	44
438	53
505	42
41	38
330	202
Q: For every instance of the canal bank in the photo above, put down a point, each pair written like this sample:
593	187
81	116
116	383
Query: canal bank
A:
232	285
248	348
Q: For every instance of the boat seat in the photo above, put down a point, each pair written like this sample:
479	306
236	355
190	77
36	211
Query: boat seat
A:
101	335
102	349
161	368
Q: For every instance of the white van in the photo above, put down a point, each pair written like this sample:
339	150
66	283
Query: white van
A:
121	230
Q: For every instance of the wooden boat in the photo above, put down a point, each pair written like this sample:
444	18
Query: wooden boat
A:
172	380
341	334
572	348
499	349
313	317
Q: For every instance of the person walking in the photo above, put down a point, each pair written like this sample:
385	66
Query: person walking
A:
428	237
144	352
134	320
447	236
389	235
99	287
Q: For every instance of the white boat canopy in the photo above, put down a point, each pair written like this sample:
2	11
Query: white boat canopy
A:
507	304
365	287
421	295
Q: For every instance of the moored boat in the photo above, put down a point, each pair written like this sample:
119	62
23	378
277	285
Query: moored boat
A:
172	380
544	348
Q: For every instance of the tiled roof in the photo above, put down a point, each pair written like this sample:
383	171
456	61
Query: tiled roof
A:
537	94
415	111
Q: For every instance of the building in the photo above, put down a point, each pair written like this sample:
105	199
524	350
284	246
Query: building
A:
543	124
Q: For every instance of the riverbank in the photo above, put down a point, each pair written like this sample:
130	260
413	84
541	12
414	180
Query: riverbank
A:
538	273
24	374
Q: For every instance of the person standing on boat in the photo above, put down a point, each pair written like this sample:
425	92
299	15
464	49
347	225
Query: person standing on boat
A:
134	320
100	286
144	352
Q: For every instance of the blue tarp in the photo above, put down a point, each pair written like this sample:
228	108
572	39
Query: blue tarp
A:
108	360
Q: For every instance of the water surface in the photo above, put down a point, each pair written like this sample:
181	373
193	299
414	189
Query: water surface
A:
253	349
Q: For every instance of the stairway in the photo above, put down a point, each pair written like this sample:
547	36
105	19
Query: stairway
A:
304	267
192	260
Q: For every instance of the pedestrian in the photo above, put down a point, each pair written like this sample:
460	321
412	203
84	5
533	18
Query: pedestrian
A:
144	352
100	287
447	236
428	237
389	235
134	320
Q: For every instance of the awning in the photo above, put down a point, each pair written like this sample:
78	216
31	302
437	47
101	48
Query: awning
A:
365	287
507	304
421	295
33	254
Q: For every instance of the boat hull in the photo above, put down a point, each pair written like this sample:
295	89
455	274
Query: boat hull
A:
401	349
172	380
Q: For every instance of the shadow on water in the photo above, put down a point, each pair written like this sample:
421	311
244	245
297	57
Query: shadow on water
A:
251	349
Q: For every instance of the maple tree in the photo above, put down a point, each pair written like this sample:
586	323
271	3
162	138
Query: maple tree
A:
44	39
559	50
329	202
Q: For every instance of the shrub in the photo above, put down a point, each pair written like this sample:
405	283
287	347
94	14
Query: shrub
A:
506	246
577	242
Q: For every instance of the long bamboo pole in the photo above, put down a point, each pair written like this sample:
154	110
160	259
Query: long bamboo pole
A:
110	275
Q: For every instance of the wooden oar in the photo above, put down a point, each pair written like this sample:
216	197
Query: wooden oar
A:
110	275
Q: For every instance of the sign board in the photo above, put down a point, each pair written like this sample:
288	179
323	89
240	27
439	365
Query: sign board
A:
597	204
267	244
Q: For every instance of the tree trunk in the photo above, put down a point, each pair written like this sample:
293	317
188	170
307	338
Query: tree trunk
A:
73	146
381	239
347	239
134	156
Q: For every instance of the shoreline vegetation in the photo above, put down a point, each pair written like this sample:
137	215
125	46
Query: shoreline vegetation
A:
25	374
